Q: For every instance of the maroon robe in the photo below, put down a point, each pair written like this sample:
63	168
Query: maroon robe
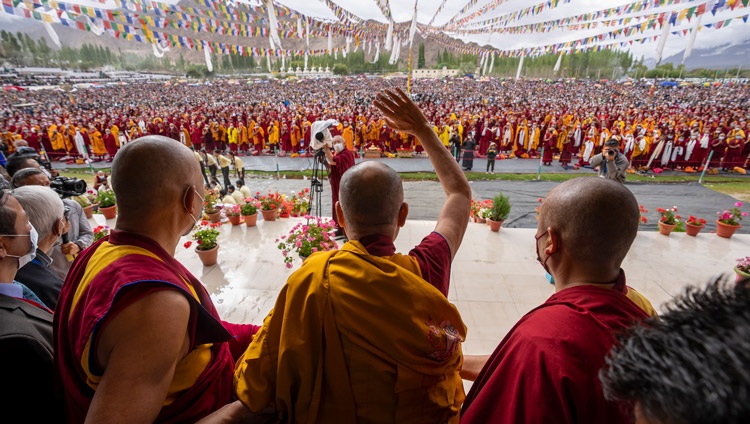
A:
110	144
546	368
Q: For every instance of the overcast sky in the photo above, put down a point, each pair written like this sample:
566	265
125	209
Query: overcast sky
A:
402	11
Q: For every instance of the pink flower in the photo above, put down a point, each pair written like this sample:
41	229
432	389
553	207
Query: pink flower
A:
288	265
314	249
744	213
738	204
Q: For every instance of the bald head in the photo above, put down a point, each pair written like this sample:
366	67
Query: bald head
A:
371	195
151	173
597	219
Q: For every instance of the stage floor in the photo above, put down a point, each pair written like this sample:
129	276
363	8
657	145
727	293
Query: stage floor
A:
495	278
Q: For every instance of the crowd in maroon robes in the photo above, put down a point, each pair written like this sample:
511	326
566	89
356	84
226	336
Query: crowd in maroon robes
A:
564	121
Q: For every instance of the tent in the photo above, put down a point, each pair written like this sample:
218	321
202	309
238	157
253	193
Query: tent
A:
669	84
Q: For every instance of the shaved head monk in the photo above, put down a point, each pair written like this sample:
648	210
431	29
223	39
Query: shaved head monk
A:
545	369
365	334
137	336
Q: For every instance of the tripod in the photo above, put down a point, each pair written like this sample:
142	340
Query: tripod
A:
316	185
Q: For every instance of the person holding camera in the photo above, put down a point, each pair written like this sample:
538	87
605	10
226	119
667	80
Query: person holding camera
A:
78	233
338	164
612	164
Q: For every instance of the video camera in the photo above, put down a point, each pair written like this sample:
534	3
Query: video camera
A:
68	186
320	135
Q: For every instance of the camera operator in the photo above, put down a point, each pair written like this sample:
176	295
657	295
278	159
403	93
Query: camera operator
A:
77	234
338	164
612	164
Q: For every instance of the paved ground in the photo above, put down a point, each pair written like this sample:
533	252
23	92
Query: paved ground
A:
426	198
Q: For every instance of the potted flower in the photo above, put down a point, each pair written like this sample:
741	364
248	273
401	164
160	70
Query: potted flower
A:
207	247
233	212
668	220
100	232
86	204
301	203
498	211
269	205
729	221
107	203
743	268
304	239
694	225
481	210
643	211
249	210
210	199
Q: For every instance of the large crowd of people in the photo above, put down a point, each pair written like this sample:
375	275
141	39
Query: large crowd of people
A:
361	333
565	121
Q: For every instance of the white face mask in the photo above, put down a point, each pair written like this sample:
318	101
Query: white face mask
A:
338	147
29	256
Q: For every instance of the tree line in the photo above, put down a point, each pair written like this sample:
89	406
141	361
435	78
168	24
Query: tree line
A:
21	50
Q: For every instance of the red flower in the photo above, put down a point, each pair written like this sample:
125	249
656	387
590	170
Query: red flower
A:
198	241
188	244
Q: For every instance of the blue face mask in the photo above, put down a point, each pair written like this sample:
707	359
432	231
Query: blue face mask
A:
550	278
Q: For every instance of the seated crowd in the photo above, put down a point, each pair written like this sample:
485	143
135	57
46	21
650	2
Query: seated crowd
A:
359	334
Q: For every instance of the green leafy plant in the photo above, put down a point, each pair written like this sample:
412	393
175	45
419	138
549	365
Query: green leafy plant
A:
210	198
233	210
669	215
106	198
732	216
250	207
206	236
271	201
307	238
82	200
100	232
696	222
500	208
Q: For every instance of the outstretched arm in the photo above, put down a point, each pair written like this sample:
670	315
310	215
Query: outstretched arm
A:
403	114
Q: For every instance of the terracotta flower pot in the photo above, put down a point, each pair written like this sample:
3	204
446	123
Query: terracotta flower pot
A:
726	230
740	275
693	230
208	257
251	220
481	220
666	228
495	225
110	212
269	215
89	211
214	216
234	219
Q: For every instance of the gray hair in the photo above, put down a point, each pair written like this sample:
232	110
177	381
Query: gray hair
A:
42	205
20	176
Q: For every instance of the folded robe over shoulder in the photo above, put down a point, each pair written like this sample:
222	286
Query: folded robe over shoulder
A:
356	335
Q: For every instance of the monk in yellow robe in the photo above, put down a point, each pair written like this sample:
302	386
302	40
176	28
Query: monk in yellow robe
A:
348	134
364	334
97	142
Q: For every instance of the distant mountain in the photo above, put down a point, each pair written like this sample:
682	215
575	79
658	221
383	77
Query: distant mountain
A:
721	57
70	37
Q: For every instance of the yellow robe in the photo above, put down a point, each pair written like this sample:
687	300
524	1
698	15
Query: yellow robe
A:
355	336
348	135
273	135
97	143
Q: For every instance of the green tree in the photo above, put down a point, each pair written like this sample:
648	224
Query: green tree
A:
340	69
421	59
